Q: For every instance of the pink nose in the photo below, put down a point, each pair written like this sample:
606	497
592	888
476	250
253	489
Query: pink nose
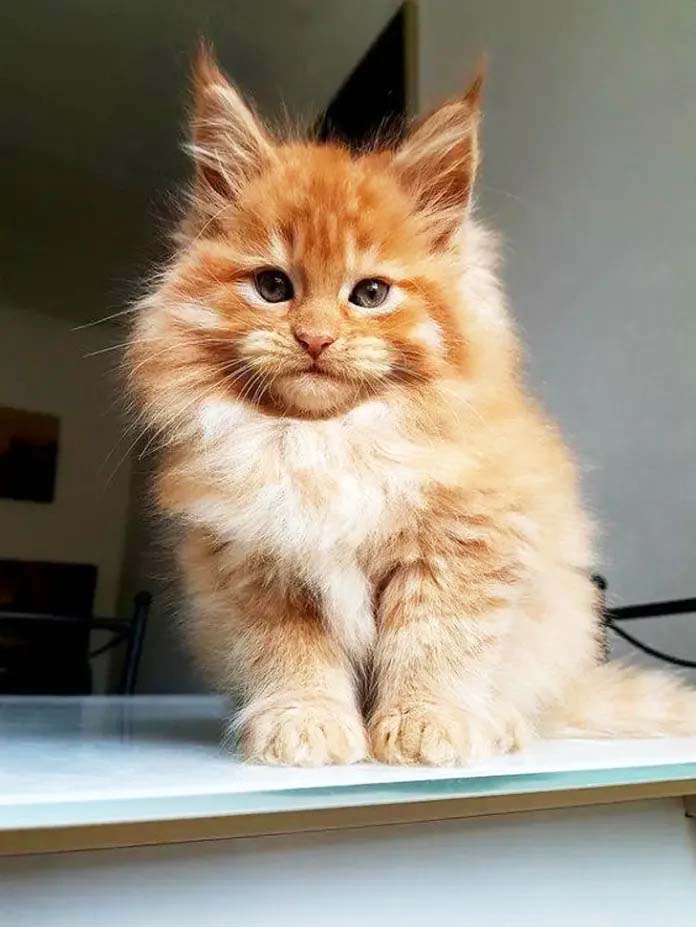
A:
313	343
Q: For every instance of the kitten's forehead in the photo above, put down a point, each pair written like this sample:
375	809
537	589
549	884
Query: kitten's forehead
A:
320	207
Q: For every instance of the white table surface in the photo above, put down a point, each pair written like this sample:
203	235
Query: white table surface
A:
87	760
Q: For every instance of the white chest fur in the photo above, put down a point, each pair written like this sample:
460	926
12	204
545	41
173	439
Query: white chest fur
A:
312	495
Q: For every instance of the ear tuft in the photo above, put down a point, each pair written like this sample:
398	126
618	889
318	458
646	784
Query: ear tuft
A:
205	69
228	142
438	160
474	94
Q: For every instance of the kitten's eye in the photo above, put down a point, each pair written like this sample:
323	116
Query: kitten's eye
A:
273	285
369	293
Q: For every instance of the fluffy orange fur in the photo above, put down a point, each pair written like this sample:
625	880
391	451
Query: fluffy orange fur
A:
381	539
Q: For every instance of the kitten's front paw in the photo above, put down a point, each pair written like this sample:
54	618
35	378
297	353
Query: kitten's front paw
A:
430	735
304	733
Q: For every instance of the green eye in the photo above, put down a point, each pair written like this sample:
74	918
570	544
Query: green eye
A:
369	293
273	285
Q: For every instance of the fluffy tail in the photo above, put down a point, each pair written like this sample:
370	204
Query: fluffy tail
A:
612	700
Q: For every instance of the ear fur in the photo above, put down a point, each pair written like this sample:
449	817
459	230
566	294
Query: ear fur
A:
438	160
228	142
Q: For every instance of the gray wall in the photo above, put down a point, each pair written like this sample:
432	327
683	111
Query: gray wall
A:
590	173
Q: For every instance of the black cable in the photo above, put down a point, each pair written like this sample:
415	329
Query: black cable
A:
653	609
646	648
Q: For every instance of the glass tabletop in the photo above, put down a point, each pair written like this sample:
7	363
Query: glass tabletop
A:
75	761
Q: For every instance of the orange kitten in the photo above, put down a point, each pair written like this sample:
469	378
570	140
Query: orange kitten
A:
382	541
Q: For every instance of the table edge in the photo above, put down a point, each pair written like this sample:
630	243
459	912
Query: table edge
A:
113	835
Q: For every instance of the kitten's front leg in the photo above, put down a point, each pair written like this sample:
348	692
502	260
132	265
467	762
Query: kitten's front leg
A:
440	628
299	700
264	641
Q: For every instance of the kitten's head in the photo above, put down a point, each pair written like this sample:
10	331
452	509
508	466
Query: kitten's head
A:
309	277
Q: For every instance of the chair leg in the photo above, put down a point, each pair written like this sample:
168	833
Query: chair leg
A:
136	636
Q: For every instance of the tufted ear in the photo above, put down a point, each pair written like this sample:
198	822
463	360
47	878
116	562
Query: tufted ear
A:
438	159
228	142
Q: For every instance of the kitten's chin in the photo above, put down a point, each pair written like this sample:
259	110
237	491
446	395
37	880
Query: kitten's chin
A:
314	394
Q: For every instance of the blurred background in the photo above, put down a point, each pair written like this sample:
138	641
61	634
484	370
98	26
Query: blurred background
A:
589	173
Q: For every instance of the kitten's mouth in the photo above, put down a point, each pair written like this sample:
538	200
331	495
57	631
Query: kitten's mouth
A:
316	371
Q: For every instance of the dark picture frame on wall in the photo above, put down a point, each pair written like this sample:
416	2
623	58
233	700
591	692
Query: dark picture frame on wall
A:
28	455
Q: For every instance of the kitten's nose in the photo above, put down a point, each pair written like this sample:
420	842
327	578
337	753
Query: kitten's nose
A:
314	343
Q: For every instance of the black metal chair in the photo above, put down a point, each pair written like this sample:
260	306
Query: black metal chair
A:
613	616
29	661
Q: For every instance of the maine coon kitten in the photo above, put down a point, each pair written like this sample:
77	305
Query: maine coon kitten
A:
381	536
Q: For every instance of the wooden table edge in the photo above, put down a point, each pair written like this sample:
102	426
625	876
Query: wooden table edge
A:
101	836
